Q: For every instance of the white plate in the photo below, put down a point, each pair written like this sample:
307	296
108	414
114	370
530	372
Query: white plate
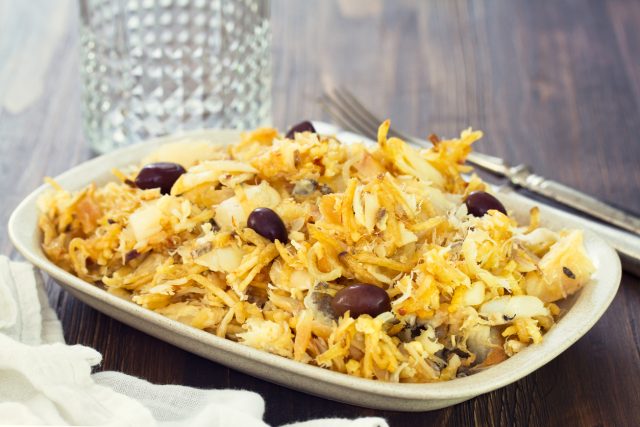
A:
584	309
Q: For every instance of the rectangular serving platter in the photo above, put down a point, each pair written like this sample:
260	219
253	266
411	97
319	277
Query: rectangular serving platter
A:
582	310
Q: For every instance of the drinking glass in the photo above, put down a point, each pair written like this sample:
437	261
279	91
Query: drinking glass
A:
153	67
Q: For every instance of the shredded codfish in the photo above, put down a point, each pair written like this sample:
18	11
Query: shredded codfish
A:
466	292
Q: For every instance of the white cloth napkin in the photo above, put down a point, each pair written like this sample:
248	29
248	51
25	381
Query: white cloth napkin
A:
45	381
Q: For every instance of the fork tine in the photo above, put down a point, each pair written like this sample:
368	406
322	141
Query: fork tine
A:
344	117
357	109
335	115
345	108
338	117
356	122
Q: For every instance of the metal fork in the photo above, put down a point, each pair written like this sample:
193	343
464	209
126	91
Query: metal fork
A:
349	113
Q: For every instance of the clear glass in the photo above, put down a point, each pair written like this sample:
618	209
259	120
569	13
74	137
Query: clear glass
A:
154	67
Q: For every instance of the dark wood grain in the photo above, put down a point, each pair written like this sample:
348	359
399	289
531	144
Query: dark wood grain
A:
552	83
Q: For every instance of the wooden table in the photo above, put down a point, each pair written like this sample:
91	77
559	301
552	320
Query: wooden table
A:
555	84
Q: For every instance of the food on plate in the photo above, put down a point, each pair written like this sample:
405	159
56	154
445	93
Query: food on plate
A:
386	262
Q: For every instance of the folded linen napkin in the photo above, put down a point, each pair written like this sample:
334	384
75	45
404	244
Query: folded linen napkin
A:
45	381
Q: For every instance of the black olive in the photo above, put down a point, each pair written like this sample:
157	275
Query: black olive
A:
257	296
479	203
305	126
268	224
131	255
159	175
361	298
567	272
214	225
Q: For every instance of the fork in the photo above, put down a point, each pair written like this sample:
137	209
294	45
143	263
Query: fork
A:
351	114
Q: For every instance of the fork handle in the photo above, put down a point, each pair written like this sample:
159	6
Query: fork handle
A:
574	199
